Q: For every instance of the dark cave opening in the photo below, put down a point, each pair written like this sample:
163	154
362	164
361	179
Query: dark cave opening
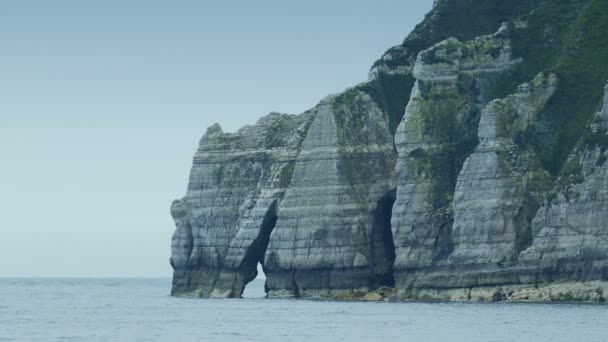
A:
382	246
254	257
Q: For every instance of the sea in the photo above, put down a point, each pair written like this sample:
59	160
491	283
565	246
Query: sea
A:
113	309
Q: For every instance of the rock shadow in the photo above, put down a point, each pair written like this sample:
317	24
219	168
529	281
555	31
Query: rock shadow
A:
255	253
382	248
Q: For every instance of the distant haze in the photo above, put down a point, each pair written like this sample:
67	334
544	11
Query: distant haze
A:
102	104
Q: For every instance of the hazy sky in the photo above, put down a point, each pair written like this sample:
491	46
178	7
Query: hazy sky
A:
102	104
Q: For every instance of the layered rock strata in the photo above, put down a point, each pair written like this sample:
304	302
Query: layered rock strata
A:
494	201
224	221
516	237
306	196
471	166
331	235
571	229
438	131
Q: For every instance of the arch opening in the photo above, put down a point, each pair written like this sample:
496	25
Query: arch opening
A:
254	285
256	288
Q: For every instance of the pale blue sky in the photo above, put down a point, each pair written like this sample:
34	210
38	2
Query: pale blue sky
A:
102	104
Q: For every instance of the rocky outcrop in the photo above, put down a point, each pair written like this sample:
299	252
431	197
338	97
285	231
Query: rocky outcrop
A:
438	131
491	205
571	229
224	221
328	238
471	166
505	247
493	201
306	196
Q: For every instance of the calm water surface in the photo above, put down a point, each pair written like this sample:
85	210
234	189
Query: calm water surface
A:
141	310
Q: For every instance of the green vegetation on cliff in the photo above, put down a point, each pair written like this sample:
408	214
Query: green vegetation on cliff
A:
391	93
569	38
447	121
451	18
459	19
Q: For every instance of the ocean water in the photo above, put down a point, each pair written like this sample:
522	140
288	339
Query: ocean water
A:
141	310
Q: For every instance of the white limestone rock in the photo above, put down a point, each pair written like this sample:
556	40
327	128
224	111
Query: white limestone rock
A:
492	208
439	126
571	229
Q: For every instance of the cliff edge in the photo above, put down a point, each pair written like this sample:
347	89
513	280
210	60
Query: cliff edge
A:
471	166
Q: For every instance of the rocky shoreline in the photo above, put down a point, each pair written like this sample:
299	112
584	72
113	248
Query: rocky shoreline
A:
470	167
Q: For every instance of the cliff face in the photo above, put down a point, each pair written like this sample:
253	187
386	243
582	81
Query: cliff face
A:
327	237
470	166
438	130
570	229
224	221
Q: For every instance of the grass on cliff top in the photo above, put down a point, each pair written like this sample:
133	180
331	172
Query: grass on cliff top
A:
461	19
569	38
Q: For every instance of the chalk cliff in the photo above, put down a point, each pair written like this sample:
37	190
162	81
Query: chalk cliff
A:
471	166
